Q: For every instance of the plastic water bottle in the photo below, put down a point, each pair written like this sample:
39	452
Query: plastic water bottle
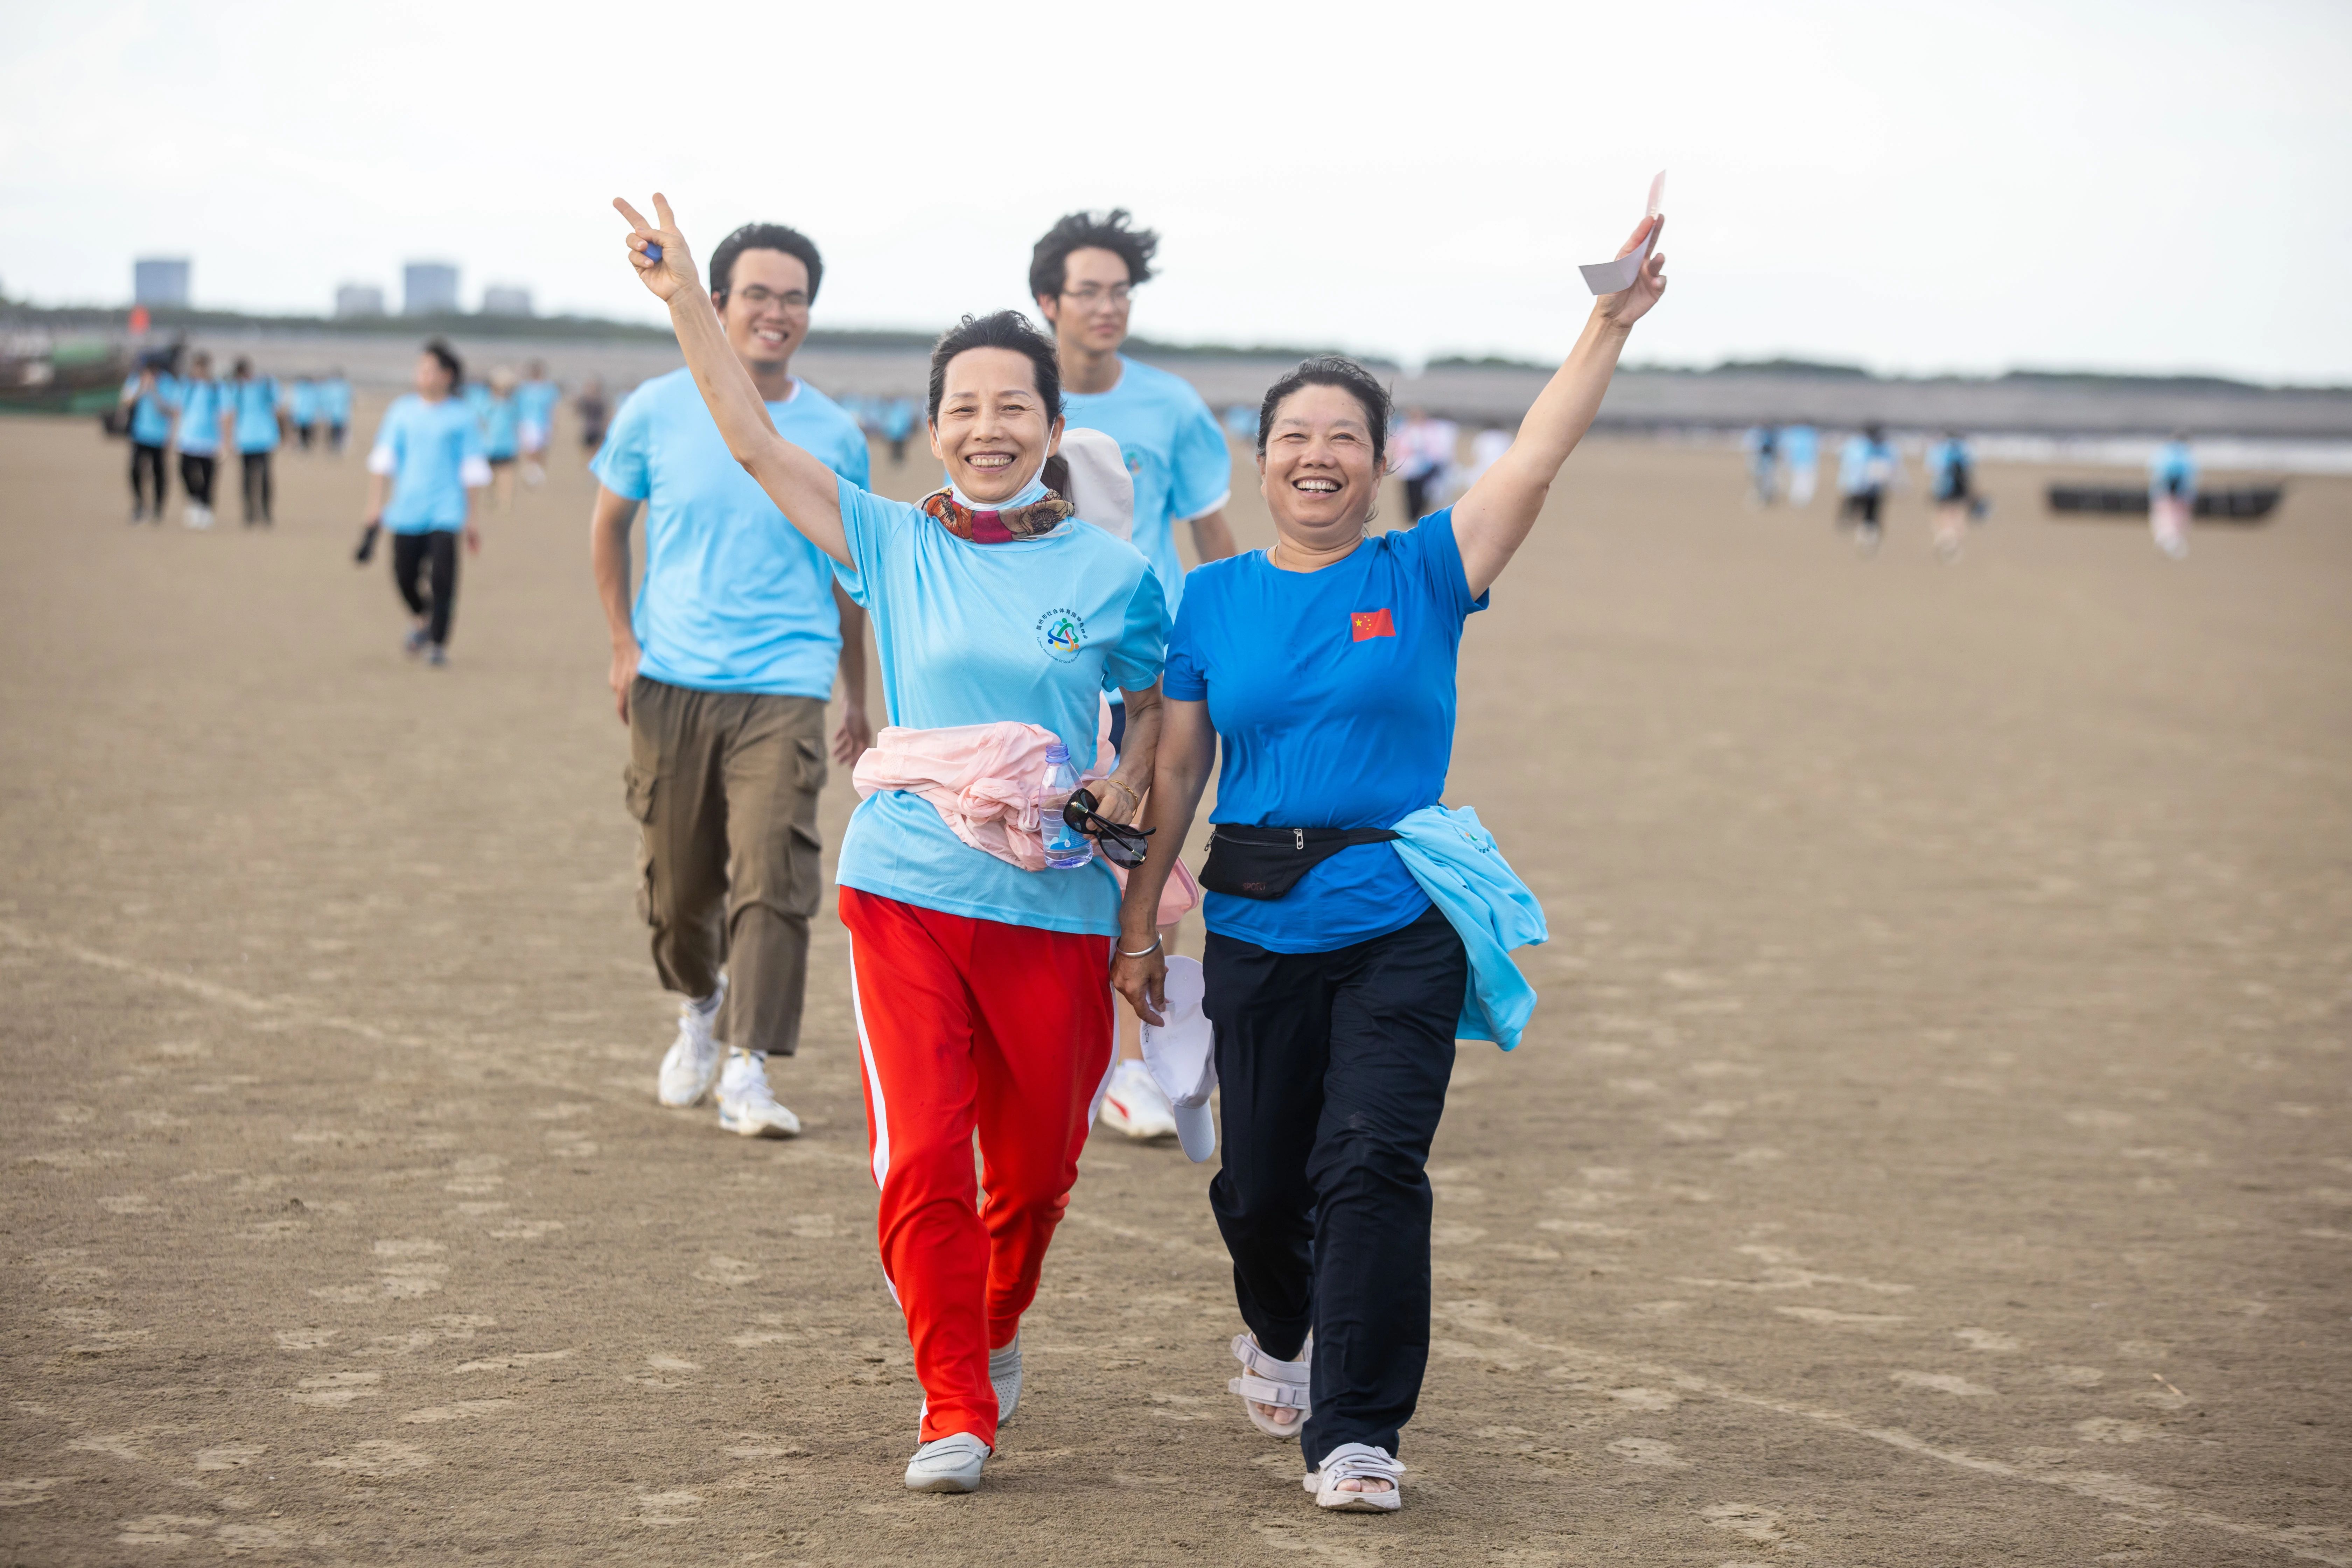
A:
1066	848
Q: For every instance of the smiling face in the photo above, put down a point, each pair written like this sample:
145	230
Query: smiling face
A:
991	431
1092	311
1318	474
766	311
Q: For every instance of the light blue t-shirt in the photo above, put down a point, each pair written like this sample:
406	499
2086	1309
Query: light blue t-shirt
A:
734	599
335	402
428	448
535	402
255	403
1175	454
201	403
304	403
1332	694
1035	631
1865	465
2173	470
150	416
1800	447
496	417
1948	468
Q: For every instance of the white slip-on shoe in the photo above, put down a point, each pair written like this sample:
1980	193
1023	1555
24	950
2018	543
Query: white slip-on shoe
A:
1366	1466
1004	1376
1134	1105
949	1464
1281	1385
691	1065
747	1105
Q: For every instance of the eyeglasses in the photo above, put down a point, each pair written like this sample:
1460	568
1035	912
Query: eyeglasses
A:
756	297
1120	845
1095	293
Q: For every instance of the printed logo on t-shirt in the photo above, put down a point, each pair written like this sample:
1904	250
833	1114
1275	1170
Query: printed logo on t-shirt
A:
1061	633
1371	624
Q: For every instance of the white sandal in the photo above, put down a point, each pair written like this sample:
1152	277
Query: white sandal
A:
1266	1381
1357	1462
949	1464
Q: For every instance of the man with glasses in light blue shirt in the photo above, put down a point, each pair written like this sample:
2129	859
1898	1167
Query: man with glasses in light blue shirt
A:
723	664
1082	275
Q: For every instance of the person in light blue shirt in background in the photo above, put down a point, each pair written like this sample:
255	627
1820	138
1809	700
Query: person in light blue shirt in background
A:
335	409
1867	470
253	405
151	394
1082	275
723	661
426	467
203	428
1762	444
302	410
501	418
2172	495
897	424
535	403
1800	461
1952	488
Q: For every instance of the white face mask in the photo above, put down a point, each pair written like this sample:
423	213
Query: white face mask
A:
1034	490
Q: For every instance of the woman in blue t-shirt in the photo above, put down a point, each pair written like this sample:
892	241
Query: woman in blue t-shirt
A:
978	982
1324	669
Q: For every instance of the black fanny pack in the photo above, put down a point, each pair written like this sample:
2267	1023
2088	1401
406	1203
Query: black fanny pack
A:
1266	862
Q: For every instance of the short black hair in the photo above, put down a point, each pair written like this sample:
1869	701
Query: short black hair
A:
1048	263
439	348
1002	330
1340	371
763	236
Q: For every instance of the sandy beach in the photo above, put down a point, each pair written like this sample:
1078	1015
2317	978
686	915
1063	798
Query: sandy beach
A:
1932	1146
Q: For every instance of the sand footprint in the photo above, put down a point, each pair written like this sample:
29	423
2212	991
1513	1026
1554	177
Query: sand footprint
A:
1942	1383
1649	1451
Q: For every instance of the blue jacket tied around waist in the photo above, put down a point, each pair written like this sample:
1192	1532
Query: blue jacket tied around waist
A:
1453	858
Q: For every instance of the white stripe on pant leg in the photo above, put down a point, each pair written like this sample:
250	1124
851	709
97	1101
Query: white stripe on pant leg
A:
881	1160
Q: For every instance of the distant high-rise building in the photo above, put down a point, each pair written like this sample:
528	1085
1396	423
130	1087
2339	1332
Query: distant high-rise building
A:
428	288
359	300
506	300
159	281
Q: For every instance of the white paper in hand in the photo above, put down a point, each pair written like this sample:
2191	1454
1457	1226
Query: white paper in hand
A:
1615	277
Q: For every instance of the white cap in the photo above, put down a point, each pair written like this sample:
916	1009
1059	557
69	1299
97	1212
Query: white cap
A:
1183	1059
1101	488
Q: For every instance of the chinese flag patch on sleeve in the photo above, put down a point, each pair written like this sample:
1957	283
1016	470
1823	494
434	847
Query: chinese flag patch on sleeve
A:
1373	624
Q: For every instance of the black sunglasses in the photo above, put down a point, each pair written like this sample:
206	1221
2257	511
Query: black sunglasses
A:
1120	845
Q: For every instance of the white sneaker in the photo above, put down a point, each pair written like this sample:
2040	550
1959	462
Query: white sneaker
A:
688	1071
949	1464
1004	1376
1134	1105
746	1104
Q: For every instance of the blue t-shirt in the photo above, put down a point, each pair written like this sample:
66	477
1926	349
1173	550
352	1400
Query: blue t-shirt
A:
201	403
2173	471
150	416
497	415
734	599
1035	631
255	403
1332	696
1175	454
1799	445
1947	467
428	448
304	404
535	402
335	402
1865	465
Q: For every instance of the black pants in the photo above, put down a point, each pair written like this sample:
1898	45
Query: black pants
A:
1333	1068
146	472
1861	508
410	553
196	469
256	487
1416	496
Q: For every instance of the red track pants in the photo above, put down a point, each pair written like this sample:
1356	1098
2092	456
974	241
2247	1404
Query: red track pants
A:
967	1023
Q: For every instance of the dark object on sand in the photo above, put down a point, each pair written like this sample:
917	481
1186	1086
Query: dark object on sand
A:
2251	504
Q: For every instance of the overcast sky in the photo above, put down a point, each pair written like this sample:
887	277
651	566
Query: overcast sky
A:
1916	187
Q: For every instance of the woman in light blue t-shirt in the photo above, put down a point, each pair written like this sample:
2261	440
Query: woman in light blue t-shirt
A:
980	986
1324	670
